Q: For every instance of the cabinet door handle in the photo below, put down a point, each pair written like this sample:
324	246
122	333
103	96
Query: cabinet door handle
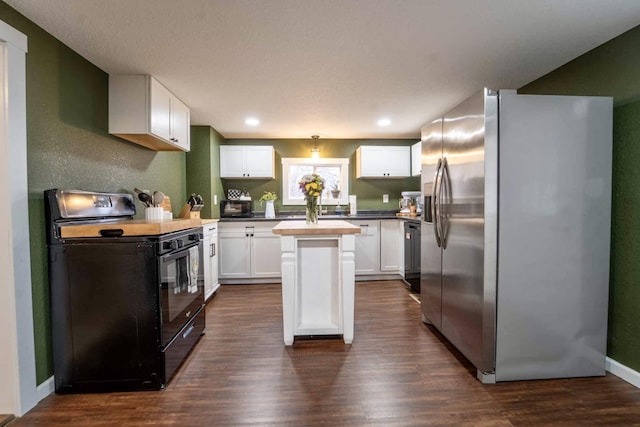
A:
211	250
214	249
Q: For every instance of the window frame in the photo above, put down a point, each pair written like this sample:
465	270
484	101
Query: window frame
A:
343	163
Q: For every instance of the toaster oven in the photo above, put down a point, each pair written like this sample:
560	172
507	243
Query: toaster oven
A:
236	209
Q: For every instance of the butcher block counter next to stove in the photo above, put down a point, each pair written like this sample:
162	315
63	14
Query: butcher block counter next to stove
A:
129	227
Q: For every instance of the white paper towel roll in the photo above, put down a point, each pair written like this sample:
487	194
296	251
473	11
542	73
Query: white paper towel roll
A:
353	210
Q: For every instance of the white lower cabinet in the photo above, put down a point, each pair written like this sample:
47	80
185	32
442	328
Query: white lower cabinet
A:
391	245
210	259
367	247
379	247
265	254
235	252
249	250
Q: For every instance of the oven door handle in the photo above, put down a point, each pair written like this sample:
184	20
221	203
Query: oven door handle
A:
177	252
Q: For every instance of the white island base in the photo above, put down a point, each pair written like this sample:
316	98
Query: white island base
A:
318	278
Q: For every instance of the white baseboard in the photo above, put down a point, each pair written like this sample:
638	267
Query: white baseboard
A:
46	388
623	372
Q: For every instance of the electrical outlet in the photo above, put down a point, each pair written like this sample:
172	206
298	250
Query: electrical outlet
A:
385	198
215	199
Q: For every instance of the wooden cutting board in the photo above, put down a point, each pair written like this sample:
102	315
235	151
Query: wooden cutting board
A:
133	227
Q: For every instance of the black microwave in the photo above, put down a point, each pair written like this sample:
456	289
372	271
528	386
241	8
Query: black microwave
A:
236	209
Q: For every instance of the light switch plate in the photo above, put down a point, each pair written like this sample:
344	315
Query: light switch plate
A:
385	198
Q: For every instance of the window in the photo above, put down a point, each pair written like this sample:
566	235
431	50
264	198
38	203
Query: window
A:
334	171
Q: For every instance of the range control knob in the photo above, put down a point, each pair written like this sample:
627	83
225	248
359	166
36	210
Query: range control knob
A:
171	244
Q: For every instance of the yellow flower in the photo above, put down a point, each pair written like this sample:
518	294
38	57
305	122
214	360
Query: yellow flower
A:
313	185
307	187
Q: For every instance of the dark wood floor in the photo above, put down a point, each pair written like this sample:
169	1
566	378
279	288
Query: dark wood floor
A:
397	372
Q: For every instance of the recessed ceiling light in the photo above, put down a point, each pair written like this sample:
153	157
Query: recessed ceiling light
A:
384	122
251	121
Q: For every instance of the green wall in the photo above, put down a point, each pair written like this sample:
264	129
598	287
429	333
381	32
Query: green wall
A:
203	168
368	191
68	147
613	69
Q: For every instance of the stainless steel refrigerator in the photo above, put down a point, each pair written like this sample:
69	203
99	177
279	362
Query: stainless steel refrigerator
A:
516	233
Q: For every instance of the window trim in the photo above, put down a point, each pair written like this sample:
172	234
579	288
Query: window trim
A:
344	178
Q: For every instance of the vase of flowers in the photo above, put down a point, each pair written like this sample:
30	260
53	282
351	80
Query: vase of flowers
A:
311	186
269	198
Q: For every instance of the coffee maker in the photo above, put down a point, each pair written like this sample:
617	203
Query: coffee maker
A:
409	199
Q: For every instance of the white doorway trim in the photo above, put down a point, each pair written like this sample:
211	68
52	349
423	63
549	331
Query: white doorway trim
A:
18	392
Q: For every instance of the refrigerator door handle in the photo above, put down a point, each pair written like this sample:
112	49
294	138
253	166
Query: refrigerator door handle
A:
436	201
445	200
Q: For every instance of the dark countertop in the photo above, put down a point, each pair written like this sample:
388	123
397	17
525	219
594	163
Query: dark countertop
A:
299	215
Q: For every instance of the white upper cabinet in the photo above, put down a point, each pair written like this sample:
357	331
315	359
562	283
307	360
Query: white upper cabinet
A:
416	159
383	161
180	124
247	161
143	111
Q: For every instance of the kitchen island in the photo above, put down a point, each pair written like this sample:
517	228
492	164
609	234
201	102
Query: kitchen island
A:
318	277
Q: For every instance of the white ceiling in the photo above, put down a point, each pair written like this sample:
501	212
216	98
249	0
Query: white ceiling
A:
330	67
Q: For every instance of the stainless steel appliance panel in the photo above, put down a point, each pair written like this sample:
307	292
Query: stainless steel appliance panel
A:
463	190
430	250
555	181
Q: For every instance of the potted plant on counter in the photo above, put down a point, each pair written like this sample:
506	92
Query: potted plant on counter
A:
269	197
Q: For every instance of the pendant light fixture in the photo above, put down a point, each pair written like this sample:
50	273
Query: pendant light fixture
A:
315	150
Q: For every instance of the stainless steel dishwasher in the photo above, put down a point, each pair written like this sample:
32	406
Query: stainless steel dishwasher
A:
412	254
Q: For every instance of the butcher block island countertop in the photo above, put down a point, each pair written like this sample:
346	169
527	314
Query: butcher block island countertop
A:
130	227
301	228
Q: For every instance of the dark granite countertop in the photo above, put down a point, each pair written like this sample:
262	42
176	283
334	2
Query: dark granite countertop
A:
299	215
